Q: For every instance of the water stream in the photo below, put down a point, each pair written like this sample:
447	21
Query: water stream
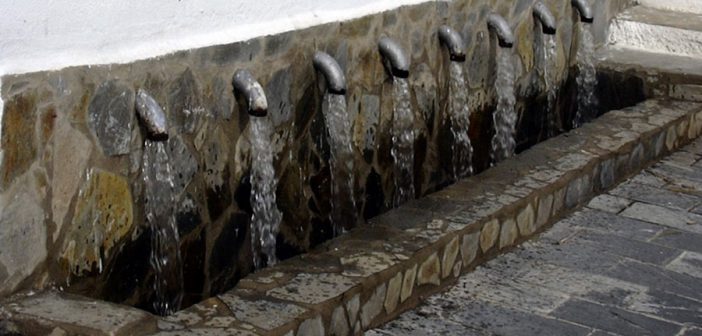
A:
505	116
165	241
459	112
403	142
549	57
266	217
338	124
586	78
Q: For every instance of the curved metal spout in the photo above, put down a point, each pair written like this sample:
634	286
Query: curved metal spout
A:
151	114
500	27
584	10
394	57
250	90
453	42
329	67
544	15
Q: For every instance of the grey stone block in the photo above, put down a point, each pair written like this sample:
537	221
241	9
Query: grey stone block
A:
110	116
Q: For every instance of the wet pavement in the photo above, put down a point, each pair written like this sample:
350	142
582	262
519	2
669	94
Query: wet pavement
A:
630	263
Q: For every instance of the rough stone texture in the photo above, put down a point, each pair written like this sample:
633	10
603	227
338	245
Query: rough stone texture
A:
110	116
664	216
263	314
74	149
18	144
313	288
374	306
544	210
609	203
449	258
428	272
339	323
104	318
184	163
103	216
535	291
312	327
469	248
409	247
525	221
22	236
489	235
393	294
365	264
408	283
508	233
352	308
220	189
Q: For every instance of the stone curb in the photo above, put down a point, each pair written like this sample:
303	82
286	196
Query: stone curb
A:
372	274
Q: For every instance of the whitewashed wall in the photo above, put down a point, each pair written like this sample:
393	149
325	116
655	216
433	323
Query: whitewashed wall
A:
40	35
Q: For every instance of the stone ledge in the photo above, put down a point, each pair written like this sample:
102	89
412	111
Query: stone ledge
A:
373	273
662	75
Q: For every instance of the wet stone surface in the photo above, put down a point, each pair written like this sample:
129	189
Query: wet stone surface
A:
263	314
105	319
111	115
628	264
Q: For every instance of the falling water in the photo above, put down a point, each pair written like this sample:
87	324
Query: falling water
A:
403	141
459	112
342	159
266	216
505	117
165	241
549	64
586	79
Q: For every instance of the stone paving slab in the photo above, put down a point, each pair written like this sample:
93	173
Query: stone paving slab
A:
597	269
371	275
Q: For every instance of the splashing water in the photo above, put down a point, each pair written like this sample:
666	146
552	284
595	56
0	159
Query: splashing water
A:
549	55
505	116
343	203
165	241
459	112
403	142
586	79
266	216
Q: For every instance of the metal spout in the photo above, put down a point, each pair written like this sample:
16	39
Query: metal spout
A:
453	42
329	67
583	8
544	15
250	92
498	25
394	57
152	116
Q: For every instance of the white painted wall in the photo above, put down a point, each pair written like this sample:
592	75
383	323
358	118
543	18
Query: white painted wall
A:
690	6
40	35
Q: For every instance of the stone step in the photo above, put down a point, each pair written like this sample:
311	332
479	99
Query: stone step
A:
663	75
656	30
687	6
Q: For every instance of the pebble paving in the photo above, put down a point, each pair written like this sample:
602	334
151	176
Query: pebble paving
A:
629	263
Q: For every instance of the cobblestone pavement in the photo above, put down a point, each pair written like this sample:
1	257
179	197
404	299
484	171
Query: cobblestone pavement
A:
630	263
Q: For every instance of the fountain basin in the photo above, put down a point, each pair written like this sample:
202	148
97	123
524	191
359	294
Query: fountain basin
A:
51	138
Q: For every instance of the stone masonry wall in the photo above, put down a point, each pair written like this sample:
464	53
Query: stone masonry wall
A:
71	190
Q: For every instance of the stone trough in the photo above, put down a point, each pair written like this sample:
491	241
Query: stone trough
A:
72	152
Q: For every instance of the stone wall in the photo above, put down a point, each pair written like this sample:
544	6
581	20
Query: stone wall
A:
71	189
